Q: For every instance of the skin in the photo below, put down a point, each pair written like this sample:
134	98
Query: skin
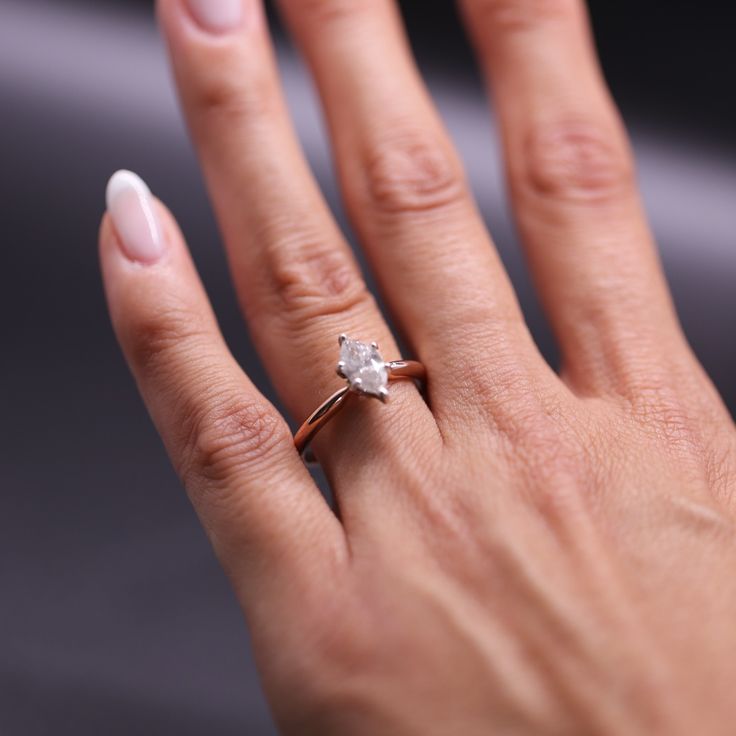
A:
525	552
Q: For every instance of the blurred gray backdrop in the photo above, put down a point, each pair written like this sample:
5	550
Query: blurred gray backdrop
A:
114	617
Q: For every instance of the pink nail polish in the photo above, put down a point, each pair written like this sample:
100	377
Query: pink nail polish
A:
134	217
217	16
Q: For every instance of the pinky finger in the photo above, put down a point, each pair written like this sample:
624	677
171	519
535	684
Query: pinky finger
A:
233	451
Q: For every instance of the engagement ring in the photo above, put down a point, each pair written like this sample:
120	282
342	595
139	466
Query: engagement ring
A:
366	374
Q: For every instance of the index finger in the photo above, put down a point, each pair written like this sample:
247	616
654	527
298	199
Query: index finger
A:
265	517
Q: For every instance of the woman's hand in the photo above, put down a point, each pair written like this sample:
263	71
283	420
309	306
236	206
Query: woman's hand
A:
524	553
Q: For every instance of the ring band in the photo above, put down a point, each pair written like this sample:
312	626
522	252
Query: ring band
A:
367	374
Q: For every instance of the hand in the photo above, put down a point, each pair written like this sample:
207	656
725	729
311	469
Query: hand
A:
524	553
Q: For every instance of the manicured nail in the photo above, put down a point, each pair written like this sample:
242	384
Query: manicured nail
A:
134	217
217	16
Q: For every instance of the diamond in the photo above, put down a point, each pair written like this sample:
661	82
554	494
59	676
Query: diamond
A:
363	367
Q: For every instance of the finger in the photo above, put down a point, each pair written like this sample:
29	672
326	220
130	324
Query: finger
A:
408	199
234	453
295	275
571	177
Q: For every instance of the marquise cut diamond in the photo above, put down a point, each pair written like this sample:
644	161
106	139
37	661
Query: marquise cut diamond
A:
363	367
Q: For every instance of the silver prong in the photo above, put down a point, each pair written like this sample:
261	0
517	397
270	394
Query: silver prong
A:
341	369
341	339
357	382
374	345
383	394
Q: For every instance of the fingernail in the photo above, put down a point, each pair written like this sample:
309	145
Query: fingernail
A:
217	16
134	217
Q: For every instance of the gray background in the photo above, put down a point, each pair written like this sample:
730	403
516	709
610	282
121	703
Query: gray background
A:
114	617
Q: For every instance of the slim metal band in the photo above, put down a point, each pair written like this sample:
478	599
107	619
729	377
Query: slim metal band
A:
397	370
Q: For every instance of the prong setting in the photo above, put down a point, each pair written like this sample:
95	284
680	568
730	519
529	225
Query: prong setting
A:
363	367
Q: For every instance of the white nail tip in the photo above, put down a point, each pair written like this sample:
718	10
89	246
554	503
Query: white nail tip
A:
122	181
131	209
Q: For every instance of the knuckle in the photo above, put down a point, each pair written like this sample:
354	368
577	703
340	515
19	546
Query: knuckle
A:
232	435
411	172
224	95
662	413
154	337
501	16
575	162
311	279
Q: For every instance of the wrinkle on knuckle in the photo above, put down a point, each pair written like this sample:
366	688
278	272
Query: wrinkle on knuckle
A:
574	162
411	172
658	409
224	96
310	279
513	16
233	435
153	338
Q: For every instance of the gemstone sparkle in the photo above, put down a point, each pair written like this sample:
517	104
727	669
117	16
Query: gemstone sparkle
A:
363	367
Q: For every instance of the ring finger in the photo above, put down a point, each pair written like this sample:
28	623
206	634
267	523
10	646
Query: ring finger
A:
406	192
